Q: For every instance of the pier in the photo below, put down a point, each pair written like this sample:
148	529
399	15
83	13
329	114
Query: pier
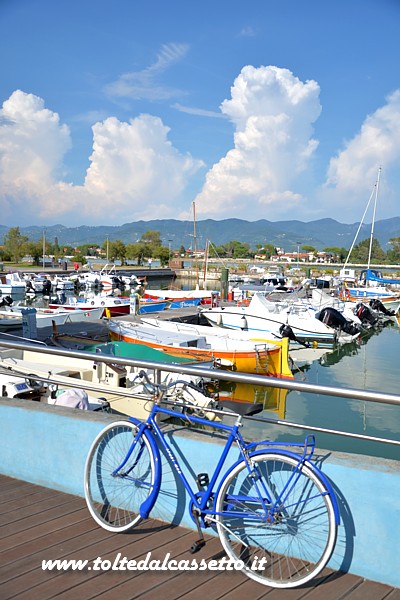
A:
40	524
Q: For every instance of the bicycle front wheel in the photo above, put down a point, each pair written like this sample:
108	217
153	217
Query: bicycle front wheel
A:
119	476
278	520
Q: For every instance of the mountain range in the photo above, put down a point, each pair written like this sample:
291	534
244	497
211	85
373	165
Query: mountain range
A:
323	233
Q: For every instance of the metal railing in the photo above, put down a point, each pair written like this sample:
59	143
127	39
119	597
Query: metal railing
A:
198	371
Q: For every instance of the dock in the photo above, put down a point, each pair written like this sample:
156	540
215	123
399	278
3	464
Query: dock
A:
40	524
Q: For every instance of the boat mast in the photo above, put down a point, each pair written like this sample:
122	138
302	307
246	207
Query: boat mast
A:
205	264
195	244
359	227
373	217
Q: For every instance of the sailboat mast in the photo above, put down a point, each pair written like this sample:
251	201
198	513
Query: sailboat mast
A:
205	265
373	218
195	243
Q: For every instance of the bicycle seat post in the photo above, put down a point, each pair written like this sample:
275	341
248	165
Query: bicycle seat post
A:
238	422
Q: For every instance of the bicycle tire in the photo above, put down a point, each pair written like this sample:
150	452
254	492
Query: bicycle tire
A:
114	500
298	541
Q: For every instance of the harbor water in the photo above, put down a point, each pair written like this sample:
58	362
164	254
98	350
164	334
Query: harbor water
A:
370	364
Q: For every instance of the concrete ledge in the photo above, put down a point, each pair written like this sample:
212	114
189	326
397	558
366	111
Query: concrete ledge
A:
47	445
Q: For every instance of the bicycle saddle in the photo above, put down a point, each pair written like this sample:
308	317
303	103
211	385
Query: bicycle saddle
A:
241	408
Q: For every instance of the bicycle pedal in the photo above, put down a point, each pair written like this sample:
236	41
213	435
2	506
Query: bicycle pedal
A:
197	545
202	481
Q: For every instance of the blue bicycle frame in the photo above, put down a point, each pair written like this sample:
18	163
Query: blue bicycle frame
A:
200	500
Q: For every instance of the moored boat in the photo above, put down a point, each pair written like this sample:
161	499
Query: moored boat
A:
46	377
12	283
278	350
207	297
271	318
238	355
115	305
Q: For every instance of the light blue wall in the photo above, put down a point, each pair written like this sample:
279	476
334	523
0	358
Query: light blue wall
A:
47	445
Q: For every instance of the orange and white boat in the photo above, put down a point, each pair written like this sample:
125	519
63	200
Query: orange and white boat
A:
231	350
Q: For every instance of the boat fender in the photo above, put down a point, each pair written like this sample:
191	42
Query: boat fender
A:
92	303
102	303
220	321
244	325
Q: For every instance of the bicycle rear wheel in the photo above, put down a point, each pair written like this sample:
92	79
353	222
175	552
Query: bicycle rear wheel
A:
283	546
114	497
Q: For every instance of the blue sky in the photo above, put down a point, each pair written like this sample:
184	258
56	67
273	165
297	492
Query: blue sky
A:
116	111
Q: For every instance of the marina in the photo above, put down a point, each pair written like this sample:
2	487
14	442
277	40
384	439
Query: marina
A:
288	409
368	363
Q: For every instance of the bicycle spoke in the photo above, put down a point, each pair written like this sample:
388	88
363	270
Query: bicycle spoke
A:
114	498
286	536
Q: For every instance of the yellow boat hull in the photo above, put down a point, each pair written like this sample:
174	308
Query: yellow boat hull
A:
263	361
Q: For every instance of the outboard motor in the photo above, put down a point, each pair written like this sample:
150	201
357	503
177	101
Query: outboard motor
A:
333	318
365	315
6	301
117	282
47	287
29	287
287	332
376	304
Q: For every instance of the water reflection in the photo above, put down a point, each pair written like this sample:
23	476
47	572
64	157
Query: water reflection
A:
368	364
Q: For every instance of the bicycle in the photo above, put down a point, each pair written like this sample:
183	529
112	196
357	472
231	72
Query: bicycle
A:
273	507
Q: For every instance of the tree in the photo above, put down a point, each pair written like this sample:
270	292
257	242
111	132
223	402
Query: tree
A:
15	244
163	255
35	249
86	249
137	252
240	250
338	254
360	252
269	250
393	254
117	250
236	249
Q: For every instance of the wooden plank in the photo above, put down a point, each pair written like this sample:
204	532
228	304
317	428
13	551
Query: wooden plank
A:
53	525
370	590
49	583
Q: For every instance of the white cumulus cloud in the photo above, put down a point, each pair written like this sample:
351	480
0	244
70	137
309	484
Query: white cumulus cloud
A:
353	172
32	147
136	167
135	172
273	113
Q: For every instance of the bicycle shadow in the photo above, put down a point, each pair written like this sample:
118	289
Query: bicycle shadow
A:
344	549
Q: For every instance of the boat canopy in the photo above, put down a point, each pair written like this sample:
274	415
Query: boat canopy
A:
372	275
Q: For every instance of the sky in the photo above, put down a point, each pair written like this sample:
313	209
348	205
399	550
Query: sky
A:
113	111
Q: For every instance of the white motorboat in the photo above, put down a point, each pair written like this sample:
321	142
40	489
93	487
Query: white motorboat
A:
116	305
48	377
271	318
13	318
12	283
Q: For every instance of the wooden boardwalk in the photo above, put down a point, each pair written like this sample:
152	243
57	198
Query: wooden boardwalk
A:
38	523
